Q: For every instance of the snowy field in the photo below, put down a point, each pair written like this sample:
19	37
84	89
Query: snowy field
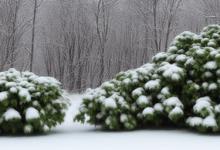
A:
74	136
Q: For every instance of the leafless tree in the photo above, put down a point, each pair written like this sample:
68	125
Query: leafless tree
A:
84	42
33	34
210	11
66	51
159	18
102	11
12	28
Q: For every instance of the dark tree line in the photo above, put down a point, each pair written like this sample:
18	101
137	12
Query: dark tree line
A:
85	42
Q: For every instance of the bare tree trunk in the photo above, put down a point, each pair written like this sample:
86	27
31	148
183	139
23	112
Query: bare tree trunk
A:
155	28
159	17
102	17
33	36
12	30
13	48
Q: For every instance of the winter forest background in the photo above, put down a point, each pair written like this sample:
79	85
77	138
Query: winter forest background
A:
85	42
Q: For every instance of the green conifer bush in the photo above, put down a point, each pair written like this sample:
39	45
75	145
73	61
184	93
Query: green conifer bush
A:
29	103
180	87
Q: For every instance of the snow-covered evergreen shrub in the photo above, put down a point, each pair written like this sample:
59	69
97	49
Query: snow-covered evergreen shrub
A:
29	103
179	87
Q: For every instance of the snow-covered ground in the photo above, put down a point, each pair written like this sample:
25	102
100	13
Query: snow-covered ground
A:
74	136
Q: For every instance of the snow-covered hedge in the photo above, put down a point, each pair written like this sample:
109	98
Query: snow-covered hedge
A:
29	103
180	87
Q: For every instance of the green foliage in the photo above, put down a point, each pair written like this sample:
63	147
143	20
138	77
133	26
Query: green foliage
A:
179	87
29	103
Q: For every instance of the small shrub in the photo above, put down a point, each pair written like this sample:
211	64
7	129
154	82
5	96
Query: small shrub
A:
29	103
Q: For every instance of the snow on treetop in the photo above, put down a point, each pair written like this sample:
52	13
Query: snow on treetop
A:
110	103
158	107
217	108
148	111
122	102
194	121
184	35
165	91
107	121
206	98
123	118
215	35
152	84
214	52
25	84
116	96
127	81
148	66
172	49
10	114
99	99
10	84
47	80
200	51
24	93
88	96
209	121
211	43
46	128
107	85
170	70
202	103
134	75
98	116
176	110
181	58
99	91
32	113
208	74
14	78
211	65
13	90
28	128
160	56
12	72
190	61
188	34
212	86
145	70
213	28
173	101
3	96
143	100
137	92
